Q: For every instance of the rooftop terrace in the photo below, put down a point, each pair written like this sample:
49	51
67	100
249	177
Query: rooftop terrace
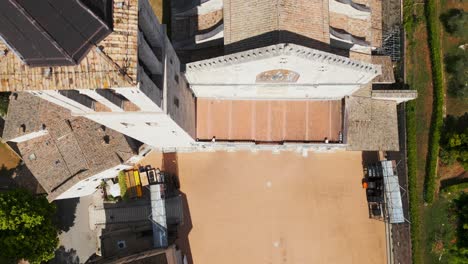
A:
269	121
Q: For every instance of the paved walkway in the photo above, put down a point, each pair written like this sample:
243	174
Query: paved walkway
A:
78	242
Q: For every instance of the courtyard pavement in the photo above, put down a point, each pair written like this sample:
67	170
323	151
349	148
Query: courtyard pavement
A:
245	207
77	241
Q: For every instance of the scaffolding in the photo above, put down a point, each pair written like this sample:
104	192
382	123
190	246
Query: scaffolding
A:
391	44
383	192
394	205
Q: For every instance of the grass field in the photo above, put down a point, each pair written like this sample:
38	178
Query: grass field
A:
431	231
418	77
454	106
440	221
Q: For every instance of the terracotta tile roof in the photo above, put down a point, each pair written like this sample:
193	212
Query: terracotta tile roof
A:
359	56
111	65
3	49
355	27
364	91
387	75
30	111
268	121
248	23
371	124
376	22
74	148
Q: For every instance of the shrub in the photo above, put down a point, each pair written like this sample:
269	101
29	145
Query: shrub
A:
454	140
455	188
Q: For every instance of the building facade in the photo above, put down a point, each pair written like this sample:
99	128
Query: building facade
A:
288	74
128	79
244	75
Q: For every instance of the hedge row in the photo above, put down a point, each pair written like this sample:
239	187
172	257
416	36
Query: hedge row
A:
455	188
412	179
411	145
438	99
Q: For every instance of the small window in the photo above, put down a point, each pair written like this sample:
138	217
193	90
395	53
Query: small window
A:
79	189
15	96
170	60
22	128
106	139
176	102
176	78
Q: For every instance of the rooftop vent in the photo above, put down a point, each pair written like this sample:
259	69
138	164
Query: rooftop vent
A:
32	157
121	244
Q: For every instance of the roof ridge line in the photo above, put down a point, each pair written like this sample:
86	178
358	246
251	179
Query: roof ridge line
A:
122	71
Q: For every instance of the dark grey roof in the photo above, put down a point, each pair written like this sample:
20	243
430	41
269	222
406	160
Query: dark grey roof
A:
51	32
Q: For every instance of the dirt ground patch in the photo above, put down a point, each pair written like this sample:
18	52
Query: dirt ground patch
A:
268	208
8	159
157	6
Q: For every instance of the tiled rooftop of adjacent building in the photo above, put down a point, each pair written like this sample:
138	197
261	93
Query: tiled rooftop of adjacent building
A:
73	149
112	63
269	121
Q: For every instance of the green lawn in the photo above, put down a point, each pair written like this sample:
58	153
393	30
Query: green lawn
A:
441	222
440	229
418	77
454	106
433	225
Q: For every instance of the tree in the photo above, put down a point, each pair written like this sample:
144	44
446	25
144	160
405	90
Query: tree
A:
459	253
26	227
455	22
456	65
